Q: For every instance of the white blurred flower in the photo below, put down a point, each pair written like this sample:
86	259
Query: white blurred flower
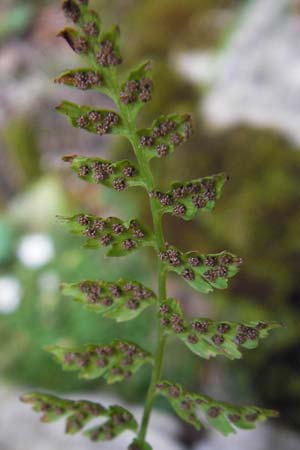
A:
10	294
35	250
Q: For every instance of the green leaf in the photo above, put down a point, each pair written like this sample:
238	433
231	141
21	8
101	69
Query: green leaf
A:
87	20
137	89
123	300
109	54
222	416
186	199
90	24
119	237
114	362
203	272
165	134
72	10
83	78
207	338
54	408
105	49
118	175
78	42
121	420
139	445
93	120
79	413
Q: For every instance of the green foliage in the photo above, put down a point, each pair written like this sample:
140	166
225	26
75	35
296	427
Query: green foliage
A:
186	199
165	134
208	338
114	362
118	175
112	233
98	121
123	300
204	273
45	317
19	136
79	413
82	78
15	21
220	415
136	89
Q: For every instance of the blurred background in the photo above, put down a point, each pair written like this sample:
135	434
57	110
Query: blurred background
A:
235	65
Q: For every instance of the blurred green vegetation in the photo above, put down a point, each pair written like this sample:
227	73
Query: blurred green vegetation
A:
45	316
15	20
257	218
20	139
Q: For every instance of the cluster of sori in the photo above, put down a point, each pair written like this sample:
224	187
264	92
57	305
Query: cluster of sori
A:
80	413
108	56
106	52
219	266
207	338
200	192
220	414
136	90
246	333
101	171
202	327
113	361
173	320
112	231
91	29
166	134
109	293
54	406
216	332
186	401
72	11
77	43
122	300
211	266
99	122
81	79
121	420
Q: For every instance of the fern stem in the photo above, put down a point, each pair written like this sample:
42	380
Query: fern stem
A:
156	373
146	173
152	387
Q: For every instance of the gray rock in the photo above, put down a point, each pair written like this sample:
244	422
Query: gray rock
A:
256	78
264	437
